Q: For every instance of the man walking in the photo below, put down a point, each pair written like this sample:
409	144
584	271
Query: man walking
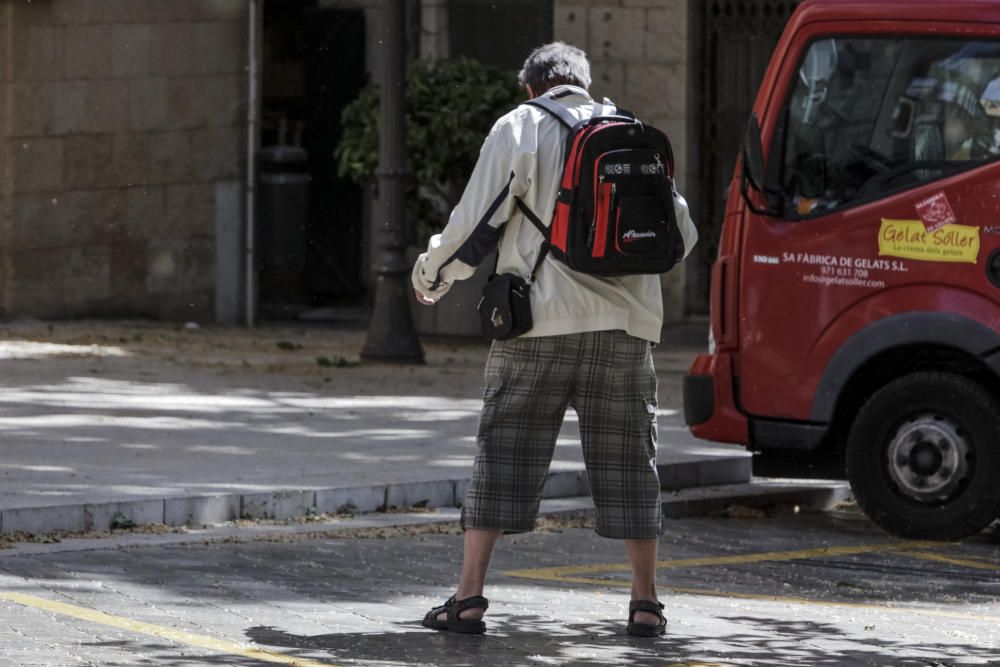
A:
590	348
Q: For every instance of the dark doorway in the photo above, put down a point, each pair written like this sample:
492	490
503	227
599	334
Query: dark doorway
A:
314	65
499	33
736	38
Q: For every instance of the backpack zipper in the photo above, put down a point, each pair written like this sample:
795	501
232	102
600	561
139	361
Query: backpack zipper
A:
593	223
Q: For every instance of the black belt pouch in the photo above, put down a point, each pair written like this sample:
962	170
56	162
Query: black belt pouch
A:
505	309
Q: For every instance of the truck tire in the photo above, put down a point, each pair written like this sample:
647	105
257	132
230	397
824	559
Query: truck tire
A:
923	457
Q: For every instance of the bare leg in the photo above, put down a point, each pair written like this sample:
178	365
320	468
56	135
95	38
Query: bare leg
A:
642	557
475	562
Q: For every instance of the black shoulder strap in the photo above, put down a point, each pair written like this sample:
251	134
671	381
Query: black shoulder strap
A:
542	229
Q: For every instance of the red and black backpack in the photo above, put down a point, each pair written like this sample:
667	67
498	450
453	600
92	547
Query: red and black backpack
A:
614	214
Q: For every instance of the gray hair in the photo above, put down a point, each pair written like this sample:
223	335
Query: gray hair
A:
555	64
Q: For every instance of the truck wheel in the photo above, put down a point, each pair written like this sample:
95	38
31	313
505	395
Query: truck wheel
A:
923	457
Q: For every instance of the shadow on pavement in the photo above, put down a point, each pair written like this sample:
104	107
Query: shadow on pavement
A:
515	640
510	640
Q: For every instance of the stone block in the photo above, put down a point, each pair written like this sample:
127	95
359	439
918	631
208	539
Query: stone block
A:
88	51
588	3
147	103
225	10
220	47
219	153
190	305
189	10
229	251
36	164
170	158
172	48
73	275
64	219
95	215
144	212
31	218
69	113
107	106
735	469
129	156
291	504
674	6
666	36
257	506
201	511
37	53
672	290
184	269
70	11
616	34
461	487
4	60
88	161
429	494
189	211
657	90
566	484
570	24
609	81
101	516
129	271
145	11
220	101
37	520
30	300
358	499
184	110
127	11
130	49
31	108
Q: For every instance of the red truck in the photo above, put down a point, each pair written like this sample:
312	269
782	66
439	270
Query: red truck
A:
855	301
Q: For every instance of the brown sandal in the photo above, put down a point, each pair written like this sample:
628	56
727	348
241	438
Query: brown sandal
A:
646	629
453	623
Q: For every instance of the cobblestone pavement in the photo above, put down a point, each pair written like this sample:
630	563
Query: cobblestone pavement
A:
787	590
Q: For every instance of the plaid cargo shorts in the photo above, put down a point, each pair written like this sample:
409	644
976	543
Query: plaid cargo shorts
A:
608	378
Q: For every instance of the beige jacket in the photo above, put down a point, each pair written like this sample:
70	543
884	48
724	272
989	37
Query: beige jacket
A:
523	157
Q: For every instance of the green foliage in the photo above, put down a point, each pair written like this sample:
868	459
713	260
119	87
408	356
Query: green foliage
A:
450	107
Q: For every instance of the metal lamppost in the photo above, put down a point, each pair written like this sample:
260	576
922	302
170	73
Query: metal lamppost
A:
391	336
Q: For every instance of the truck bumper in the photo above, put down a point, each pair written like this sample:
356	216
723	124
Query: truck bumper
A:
710	403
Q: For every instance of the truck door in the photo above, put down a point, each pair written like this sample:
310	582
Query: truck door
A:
876	139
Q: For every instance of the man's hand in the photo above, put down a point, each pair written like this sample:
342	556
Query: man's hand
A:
425	300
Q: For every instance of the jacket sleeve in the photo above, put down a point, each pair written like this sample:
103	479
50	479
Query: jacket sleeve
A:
476	224
685	224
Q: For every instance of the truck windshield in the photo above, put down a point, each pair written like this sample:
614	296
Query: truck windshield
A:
870	116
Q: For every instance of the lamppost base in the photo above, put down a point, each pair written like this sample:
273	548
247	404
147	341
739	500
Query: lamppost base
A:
391	337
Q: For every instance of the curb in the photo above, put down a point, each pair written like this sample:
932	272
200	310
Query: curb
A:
292	503
761	493
767	494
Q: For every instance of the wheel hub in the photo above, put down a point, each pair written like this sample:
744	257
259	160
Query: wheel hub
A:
929	458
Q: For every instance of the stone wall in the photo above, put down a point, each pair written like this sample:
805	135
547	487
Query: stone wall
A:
122	152
638	55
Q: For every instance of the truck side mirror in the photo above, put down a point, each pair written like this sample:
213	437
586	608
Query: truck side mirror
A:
753	155
754	173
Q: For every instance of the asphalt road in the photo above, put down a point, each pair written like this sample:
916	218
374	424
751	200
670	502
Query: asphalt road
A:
789	590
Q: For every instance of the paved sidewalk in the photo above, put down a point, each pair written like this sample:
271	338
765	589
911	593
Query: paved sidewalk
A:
164	424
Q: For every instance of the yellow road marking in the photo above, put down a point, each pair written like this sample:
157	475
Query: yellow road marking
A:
562	573
179	636
939	613
963	562
572	574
